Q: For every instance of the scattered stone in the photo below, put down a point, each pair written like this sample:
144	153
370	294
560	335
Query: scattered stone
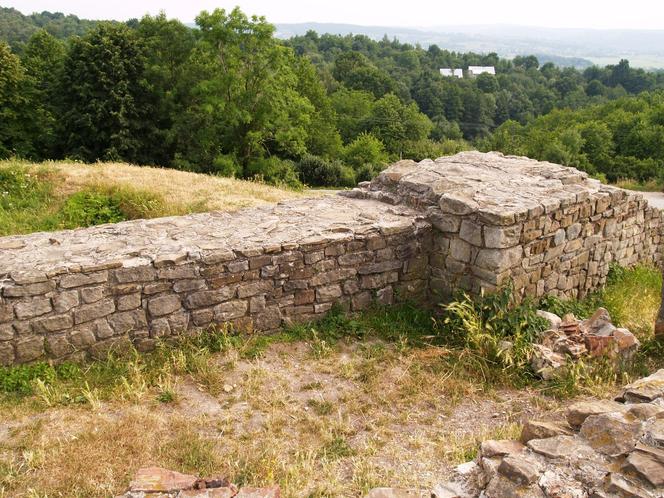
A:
535	429
612	433
653	432
624	487
579	412
644	390
561	447
520	469
553	319
501	447
646	465
155	479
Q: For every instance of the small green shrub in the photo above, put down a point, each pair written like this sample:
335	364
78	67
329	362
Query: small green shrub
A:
319	172
274	171
99	205
495	327
89	207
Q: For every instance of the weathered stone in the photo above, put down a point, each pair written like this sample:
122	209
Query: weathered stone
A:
28	290
653	432
645	390
569	447
92	294
224	492
625	488
534	429
611	433
520	469
163	305
501	237
499	259
253	288
646	466
578	412
135	274
128	302
128	321
209	298
229	310
64	301
92	311
328	293
471	232
492	448
54	323
156	479
36	306
81	279
553	319
29	348
7	356
644	411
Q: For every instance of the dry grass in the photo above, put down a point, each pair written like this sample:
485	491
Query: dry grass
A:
182	192
365	413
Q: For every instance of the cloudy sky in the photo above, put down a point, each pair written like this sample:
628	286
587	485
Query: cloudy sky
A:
644	14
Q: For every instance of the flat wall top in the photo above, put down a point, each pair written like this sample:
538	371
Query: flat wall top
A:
208	235
499	188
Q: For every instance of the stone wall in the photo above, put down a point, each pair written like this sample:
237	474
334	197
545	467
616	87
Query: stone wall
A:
473	221
66	294
545	228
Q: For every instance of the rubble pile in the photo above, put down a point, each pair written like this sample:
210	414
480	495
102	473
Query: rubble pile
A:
570	339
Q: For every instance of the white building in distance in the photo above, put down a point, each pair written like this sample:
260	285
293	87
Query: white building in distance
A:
446	71
477	70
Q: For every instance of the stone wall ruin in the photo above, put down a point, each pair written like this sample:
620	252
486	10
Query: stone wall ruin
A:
418	231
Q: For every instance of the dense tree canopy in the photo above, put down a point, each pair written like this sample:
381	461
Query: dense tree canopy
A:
229	98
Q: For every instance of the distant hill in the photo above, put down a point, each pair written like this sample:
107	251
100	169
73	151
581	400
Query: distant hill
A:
16	28
566	47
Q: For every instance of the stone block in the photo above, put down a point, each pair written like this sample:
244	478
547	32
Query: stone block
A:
499	259
92	294
501	237
460	250
128	321
230	310
164	305
29	349
31	308
128	302
328	293
134	274
28	290
471	232
89	312
65	300
209	298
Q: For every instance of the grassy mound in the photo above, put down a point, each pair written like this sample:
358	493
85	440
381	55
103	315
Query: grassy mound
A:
62	195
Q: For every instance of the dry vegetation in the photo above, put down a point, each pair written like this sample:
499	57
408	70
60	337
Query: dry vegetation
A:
60	195
181	191
319	420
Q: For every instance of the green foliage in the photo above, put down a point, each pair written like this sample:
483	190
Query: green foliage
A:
222	98
499	331
273	170
106	109
87	208
619	139
367	152
318	172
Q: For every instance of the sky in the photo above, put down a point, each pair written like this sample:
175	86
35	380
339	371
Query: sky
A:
635	14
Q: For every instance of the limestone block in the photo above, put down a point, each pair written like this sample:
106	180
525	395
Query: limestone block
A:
36	306
501	237
89	312
499	259
163	305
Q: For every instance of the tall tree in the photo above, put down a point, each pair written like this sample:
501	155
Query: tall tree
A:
43	59
14	138
245	103
107	106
